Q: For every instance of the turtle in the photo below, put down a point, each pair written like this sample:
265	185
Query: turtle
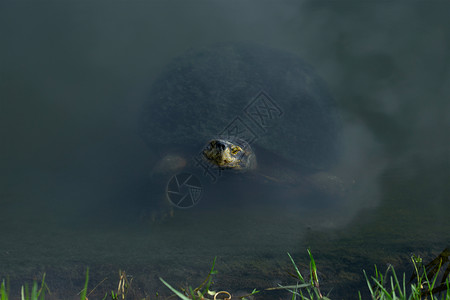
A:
265	105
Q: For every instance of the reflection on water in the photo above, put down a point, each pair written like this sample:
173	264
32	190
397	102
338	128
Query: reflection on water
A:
76	186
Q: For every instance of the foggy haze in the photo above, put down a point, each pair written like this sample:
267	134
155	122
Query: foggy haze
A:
74	76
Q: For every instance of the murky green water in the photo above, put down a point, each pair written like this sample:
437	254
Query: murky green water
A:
74	180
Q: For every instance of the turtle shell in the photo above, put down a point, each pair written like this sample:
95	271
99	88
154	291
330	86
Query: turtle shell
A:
268	97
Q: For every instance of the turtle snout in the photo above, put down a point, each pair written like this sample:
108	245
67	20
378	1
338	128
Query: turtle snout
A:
220	145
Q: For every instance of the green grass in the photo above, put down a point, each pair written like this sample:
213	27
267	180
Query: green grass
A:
37	293
422	285
303	289
430	282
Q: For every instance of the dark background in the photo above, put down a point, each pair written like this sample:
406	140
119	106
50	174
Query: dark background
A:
74	76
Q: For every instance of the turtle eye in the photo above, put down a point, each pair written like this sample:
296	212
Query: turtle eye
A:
235	150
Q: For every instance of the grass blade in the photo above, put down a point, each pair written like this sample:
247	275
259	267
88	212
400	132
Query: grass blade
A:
84	291
314	278
34	291
3	292
174	290
284	287
296	269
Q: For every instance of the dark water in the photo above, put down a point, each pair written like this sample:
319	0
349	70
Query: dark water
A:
74	181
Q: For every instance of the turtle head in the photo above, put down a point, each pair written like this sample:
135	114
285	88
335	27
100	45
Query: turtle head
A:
229	154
